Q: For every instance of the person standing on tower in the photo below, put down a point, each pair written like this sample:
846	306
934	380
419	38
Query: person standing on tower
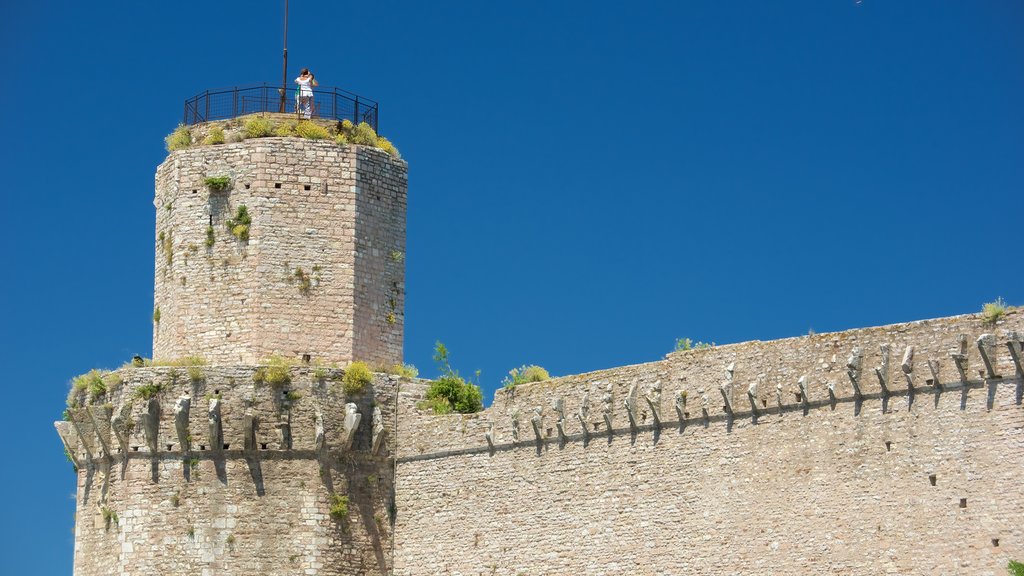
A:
306	83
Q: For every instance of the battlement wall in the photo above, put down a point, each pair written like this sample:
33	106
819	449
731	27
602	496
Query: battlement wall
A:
217	473
319	271
793	456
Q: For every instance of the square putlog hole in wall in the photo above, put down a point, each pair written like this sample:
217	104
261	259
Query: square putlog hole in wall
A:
306	187
931	479
963	502
277	184
888	446
995	542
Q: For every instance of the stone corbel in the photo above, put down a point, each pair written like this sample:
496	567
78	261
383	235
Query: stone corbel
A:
653	398
630	405
680	405
489	436
378	430
1015	344
805	397
933	367
151	425
64	430
582	414
558	406
853	366
249	426
350	424
986	345
101	438
752	396
181	411
606	408
882	371
319	434
515	425
907	366
83	440
537	421
726	387
960	358
119	426
215	430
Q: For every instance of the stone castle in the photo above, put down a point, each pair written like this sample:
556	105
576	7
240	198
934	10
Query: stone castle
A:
889	450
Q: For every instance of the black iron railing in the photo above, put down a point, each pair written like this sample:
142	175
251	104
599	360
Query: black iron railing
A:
326	103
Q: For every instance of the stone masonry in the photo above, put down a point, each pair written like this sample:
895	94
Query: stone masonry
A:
321	274
888	450
773	464
250	496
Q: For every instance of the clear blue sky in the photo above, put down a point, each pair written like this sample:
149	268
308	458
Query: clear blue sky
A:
588	180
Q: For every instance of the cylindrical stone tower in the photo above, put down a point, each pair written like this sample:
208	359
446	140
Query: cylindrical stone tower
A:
248	447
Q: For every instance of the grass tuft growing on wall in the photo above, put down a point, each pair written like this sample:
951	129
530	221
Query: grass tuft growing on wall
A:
339	507
525	374
214	136
239	225
311	131
276	371
257	127
357	377
991	312
180	139
217	183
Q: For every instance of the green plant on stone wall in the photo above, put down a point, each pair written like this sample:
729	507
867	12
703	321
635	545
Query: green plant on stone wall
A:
404	370
1015	568
397	256
391	318
307	129
180	139
991	312
305	283
148	391
239	225
357	377
214	136
211	239
683	344
339	507
450	392
286	129
156	315
525	374
257	127
109	515
217	183
276	371
167	245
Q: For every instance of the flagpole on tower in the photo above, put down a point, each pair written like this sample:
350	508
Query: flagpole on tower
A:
284	71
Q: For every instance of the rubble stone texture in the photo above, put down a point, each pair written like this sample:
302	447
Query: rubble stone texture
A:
796	465
321	274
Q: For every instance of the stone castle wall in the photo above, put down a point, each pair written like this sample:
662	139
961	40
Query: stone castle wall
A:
238	506
781	478
337	213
